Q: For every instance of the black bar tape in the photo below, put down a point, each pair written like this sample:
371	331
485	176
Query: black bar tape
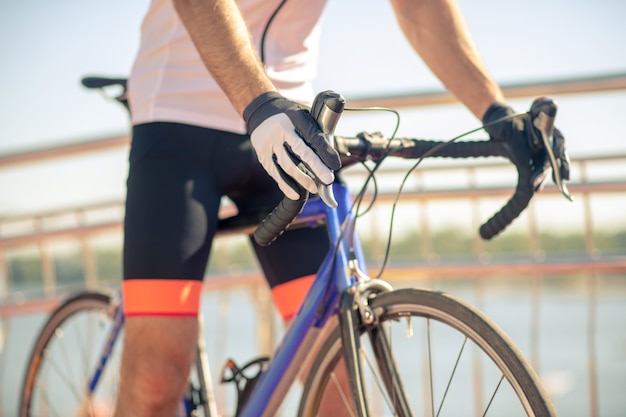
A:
523	192
279	219
512	209
468	149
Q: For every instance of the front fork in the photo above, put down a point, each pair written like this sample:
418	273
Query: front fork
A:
355	312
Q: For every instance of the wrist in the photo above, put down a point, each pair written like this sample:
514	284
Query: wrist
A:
497	110
494	116
257	102
251	114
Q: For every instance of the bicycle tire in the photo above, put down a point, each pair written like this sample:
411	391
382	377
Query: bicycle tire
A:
94	307
446	318
58	387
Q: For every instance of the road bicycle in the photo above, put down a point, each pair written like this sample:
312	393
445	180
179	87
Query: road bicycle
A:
406	352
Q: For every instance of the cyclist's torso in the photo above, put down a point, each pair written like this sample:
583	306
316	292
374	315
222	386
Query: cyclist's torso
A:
169	82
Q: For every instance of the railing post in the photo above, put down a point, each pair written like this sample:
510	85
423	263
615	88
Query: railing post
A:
47	270
266	329
591	343
535	287
5	288
593	253
89	264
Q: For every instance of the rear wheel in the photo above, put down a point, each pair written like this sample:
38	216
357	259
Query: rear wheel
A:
428	354
65	358
68	354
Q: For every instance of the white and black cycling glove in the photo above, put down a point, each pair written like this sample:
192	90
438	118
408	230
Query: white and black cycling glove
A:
284	134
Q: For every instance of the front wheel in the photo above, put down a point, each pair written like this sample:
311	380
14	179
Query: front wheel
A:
429	354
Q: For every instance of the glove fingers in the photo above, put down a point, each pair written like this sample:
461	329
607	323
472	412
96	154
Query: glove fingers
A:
288	185
284	135
309	158
280	129
287	165
285	183
310	132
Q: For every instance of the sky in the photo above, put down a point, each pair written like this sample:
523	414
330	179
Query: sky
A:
46	47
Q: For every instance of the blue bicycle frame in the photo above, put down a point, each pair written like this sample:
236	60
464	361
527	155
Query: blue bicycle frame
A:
320	303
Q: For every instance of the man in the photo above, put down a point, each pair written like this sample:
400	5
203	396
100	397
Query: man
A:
214	87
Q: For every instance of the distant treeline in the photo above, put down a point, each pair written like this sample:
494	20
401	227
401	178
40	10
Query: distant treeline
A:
26	275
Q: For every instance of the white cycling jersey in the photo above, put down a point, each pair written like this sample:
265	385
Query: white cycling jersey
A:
169	82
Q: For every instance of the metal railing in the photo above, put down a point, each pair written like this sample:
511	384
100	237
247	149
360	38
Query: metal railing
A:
40	230
35	230
608	82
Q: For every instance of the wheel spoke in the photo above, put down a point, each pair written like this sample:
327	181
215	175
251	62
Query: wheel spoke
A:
379	383
62	375
495	391
84	345
63	360
342	395
456	364
48	404
430	368
439	365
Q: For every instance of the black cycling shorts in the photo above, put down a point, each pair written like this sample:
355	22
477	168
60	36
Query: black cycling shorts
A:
177	176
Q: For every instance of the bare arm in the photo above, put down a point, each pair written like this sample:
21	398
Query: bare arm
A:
223	41
437	31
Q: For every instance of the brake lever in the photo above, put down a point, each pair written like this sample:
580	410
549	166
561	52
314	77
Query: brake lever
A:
542	113
326	110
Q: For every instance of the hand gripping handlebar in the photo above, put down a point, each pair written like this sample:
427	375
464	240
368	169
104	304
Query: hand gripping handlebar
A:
539	122
540	127
327	108
540	147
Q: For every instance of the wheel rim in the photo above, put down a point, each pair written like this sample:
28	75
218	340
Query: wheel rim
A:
454	374
67	362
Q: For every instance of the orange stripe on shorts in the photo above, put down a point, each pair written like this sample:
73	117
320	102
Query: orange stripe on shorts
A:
289	296
161	297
